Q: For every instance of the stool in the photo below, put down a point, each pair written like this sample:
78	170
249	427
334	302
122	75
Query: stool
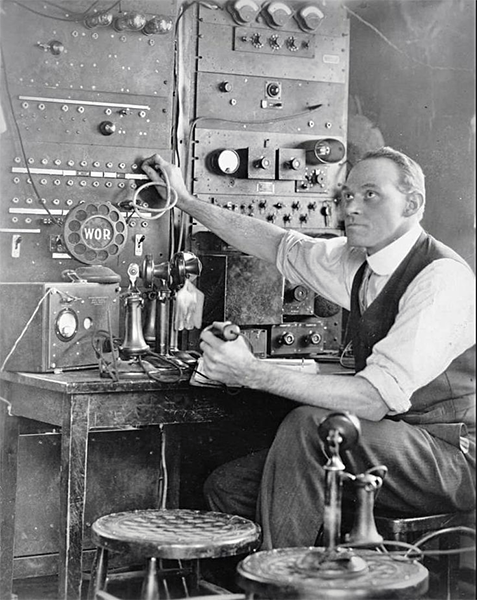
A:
295	574
176	534
413	529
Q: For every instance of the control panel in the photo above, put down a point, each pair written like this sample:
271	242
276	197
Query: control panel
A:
87	94
268	140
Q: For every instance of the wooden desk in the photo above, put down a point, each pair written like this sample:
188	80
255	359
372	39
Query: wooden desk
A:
78	403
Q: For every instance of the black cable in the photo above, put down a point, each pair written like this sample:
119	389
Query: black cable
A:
77	18
57	221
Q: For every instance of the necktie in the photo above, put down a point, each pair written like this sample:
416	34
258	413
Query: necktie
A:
363	290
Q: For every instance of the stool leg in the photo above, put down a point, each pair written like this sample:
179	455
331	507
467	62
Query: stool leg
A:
150	588
99	571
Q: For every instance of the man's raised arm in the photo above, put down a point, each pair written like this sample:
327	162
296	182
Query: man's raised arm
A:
249	235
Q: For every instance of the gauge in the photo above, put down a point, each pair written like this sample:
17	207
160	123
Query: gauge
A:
66	325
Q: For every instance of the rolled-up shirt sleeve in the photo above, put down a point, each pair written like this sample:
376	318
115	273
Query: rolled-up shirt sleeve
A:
434	325
326	266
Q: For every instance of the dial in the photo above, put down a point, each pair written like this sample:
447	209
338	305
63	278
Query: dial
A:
244	11
227	161
275	42
309	17
66	325
257	41
277	13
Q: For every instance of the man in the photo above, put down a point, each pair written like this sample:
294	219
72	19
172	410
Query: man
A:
411	324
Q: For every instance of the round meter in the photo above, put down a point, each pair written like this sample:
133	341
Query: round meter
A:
66	325
225	162
94	232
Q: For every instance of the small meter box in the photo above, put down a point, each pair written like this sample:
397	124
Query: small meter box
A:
49	326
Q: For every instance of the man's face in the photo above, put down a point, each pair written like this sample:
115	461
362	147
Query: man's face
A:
373	207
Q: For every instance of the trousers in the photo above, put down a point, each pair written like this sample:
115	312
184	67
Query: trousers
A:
283	488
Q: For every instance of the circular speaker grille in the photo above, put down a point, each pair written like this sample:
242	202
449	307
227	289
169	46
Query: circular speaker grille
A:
94	232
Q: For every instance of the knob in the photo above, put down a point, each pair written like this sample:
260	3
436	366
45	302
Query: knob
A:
158	24
257	40
262	163
291	44
107	128
225	86
313	338
275	42
56	47
287	339
273	90
299	293
294	164
327	150
133	21
98	20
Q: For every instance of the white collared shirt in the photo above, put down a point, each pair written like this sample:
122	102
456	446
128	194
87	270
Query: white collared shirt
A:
384	262
436	318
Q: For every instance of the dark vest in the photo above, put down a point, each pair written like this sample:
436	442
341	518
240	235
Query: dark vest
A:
445	406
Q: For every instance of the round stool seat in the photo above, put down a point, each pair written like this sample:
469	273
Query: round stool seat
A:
176	533
294	573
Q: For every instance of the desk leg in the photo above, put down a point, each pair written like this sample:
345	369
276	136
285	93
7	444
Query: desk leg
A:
9	431
173	464
74	455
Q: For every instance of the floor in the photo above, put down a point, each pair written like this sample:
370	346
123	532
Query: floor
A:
44	588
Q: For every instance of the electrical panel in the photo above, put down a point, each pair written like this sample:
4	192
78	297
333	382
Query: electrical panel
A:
268	140
249	96
87	95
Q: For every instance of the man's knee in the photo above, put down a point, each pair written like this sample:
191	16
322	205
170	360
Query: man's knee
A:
303	420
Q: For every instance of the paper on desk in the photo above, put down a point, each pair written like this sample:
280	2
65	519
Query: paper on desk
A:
188	307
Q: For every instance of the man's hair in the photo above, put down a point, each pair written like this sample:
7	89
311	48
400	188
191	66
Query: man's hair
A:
412	178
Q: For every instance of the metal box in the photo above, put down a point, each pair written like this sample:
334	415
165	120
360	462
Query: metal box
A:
49	326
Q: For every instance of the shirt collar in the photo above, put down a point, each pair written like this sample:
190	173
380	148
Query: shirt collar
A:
388	259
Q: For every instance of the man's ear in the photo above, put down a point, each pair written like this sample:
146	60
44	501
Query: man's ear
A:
414	203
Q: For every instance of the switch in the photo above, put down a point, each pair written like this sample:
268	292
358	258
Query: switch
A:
139	240
326	212
16	243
